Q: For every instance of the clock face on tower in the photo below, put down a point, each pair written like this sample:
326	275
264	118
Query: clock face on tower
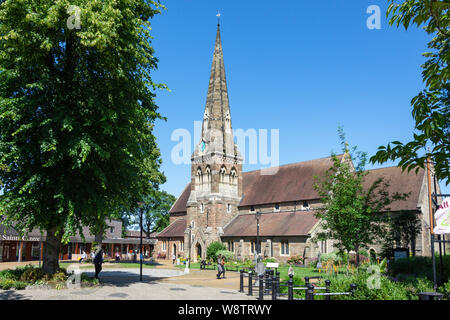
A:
202	146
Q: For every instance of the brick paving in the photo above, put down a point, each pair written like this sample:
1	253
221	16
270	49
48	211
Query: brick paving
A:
165	282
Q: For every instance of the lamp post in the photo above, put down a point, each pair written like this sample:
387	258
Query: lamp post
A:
141	204
257	215
188	263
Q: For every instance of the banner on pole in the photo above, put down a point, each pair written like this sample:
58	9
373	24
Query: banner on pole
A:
442	216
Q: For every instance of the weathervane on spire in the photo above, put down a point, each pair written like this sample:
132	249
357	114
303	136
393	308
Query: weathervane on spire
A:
218	17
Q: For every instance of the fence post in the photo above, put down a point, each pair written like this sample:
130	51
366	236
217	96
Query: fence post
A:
250	284
310	292
241	284
291	287
274	287
352	288
327	289
278	282
306	286
261	287
267	281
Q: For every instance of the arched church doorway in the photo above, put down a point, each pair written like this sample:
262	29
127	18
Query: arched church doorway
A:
174	250
198	248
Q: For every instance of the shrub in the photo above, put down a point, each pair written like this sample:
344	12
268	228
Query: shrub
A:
88	281
445	290
15	274
333	256
362	259
211	251
269	260
419	267
60	276
32	275
7	284
296	260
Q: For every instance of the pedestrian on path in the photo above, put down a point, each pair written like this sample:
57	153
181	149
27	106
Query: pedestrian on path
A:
223	267
219	266
98	260
173	258
83	256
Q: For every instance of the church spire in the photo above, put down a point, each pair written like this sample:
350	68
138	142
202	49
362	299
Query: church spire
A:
217	134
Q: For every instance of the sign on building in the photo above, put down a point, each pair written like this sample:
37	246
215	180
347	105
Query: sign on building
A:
442	216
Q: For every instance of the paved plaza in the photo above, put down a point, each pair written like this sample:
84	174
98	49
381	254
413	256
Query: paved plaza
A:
163	282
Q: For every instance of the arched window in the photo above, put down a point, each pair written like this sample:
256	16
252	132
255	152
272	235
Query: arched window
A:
208	174
199	178
223	172
233	176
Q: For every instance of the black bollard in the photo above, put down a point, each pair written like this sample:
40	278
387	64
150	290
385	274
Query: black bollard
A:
291	287
267	281
261	287
250	284
306	286
310	292
327	289
274	287
241	284
278	282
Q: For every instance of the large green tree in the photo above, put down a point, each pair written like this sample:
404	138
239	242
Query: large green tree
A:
155	212
431	107
350	214
77	113
402	229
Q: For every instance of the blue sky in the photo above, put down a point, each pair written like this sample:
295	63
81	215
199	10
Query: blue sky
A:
303	67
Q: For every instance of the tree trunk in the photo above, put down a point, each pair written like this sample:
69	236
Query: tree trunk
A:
52	247
413	246
357	255
99	238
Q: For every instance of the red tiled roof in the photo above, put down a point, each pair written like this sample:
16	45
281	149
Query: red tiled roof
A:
292	182
297	223
137	234
401	182
175	229
180	205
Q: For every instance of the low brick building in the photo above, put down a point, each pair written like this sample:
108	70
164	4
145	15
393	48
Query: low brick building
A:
14	247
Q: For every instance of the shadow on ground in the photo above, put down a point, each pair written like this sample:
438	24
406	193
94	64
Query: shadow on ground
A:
11	295
122	278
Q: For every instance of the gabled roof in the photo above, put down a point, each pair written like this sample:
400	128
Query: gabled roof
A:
180	205
175	229
401	182
297	223
292	182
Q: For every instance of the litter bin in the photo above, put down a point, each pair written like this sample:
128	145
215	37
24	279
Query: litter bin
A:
430	296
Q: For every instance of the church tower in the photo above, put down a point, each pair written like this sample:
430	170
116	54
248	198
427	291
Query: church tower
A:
216	166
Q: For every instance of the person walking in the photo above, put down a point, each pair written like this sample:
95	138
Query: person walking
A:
98	260
83	256
173	258
219	266
223	267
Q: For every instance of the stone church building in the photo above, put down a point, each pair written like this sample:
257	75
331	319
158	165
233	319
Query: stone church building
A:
221	201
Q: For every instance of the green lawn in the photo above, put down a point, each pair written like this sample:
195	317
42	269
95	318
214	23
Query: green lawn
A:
298	271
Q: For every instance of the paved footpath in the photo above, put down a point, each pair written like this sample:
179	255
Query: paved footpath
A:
164	282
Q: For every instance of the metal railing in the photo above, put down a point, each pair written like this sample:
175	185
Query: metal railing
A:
269	284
